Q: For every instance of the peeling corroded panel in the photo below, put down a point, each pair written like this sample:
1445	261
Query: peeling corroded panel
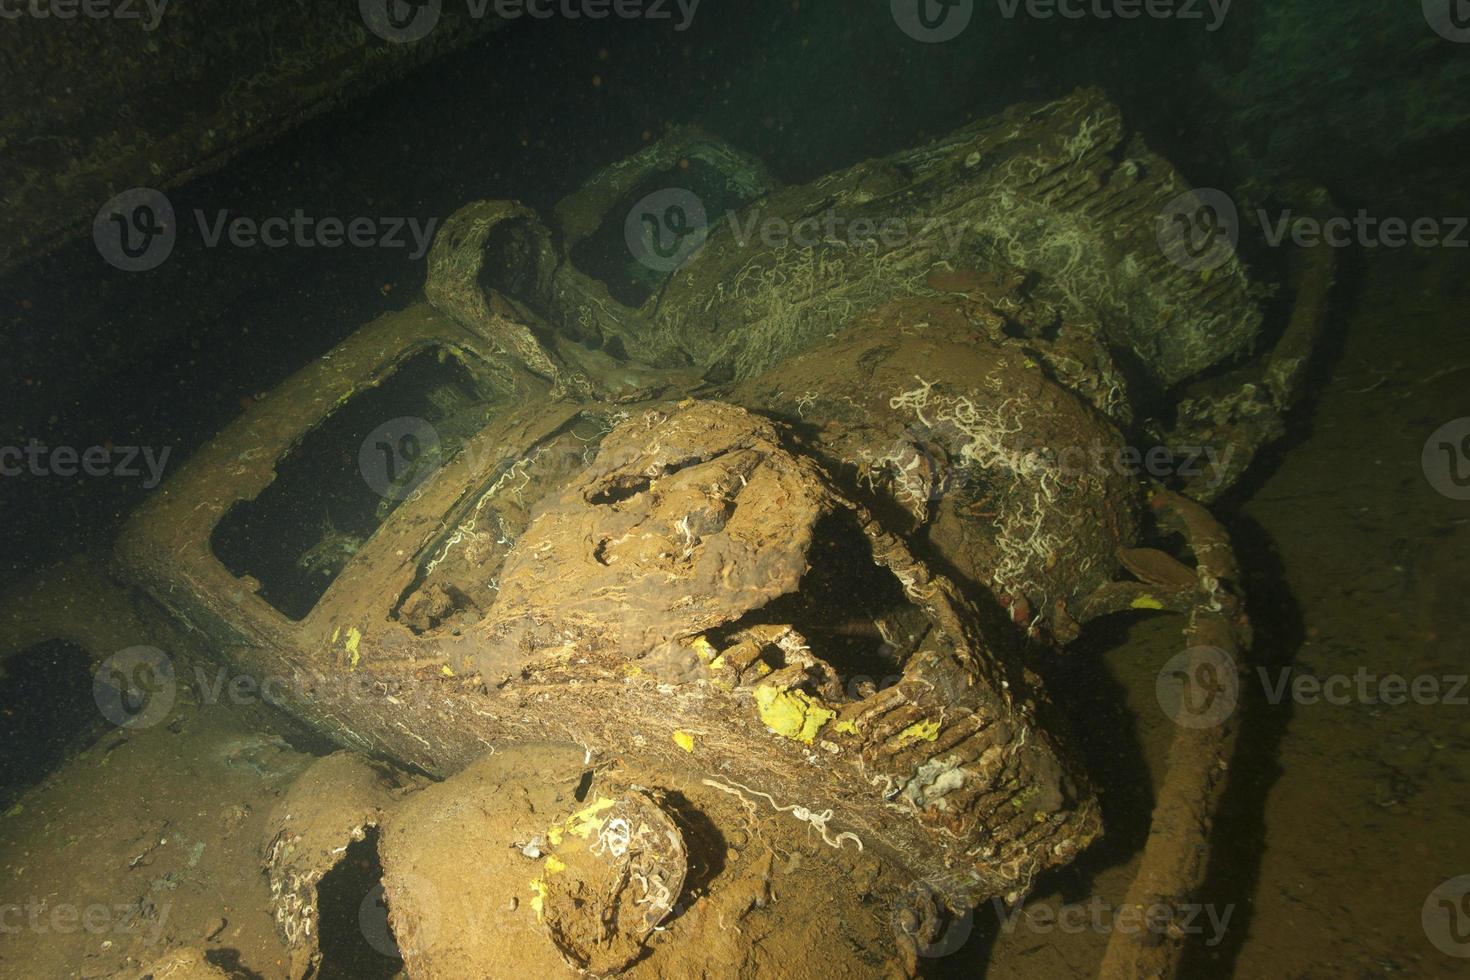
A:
671	587
1059	191
995	450
167	545
949	769
336	801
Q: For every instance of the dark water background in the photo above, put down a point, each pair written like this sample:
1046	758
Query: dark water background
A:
96	355
1373	110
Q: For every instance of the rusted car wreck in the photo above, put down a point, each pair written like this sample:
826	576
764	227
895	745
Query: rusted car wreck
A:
758	524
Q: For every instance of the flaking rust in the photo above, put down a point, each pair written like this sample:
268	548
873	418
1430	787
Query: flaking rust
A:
790	524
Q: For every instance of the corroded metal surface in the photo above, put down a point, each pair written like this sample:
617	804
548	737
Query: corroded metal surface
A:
697	559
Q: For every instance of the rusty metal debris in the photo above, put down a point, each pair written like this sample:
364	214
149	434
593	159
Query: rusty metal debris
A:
775	525
337	801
